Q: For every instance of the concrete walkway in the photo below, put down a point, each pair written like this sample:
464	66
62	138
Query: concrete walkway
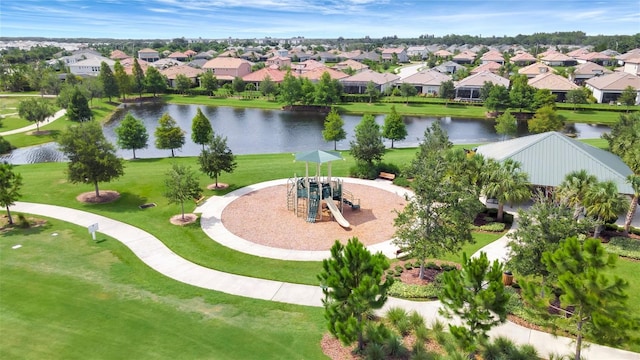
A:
34	126
155	254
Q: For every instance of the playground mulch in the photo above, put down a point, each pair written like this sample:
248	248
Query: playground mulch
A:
262	217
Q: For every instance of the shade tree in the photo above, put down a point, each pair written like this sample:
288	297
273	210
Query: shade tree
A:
394	128
35	110
201	129
217	158
181	185
506	125
546	119
10	185
168	134
78	109
132	134
154	81
334	128
109	81
367	147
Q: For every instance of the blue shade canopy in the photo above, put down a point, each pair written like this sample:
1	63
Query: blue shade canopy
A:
318	156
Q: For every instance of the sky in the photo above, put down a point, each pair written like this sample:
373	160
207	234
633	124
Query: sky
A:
248	19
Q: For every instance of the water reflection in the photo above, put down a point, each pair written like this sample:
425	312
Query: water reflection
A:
256	131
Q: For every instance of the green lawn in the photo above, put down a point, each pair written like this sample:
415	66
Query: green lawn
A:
9	113
68	297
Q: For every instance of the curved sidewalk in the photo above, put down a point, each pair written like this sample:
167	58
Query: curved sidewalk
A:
160	258
49	120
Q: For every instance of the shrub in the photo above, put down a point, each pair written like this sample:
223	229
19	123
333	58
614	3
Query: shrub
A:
5	146
23	222
404	326
493	227
388	168
447	267
396	314
363	170
393	346
374	351
401	181
416	320
410	291
433	266
624	246
399	268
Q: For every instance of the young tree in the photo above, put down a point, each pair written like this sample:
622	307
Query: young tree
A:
123	80
168	134
498	98
78	109
35	110
521	93
137	78
476	294
183	84
10	184
290	89
216	158
543	97
506	125
628	96
437	218
394	128
268	87
546	119
201	129
599	301
603	202
541	228
109	81
334	128
238	84
92	158
367	146
407	90
181	184
94	88
372	91
352	285
447	91
326	92
575	97
154	81
507	183
209	82
132	134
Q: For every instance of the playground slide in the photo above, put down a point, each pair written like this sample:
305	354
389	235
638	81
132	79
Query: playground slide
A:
336	213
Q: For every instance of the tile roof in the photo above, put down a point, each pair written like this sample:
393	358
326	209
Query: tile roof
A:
392	50
316	73
629	54
442	53
355	65
590	68
477	80
548	157
556	56
426	77
118	55
535	69
178	55
224	63
522	57
464	56
491	66
369	75
592	56
276	75
147	50
552	82
492	55
172	72
616	81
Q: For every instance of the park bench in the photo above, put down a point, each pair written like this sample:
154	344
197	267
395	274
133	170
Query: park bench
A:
387	176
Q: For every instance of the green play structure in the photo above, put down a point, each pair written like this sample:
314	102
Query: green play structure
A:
305	195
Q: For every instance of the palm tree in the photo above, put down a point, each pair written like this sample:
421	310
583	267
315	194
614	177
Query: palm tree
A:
603	202
507	183
634	180
573	189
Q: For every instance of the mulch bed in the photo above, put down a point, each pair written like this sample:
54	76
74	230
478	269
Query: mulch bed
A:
106	196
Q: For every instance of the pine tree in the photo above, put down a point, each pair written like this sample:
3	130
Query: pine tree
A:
78	109
123	80
109	81
137	78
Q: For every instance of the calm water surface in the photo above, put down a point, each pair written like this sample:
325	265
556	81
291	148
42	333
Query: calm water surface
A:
257	131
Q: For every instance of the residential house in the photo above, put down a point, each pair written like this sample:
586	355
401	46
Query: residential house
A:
207	55
118	55
400	53
197	63
90	66
279	61
634	53
579	52
350	64
420	52
76	56
315	74
468	89
166	63
465	57
148	55
426	82
180	56
228	68
190	53
171	73
443	54
492	55
275	74
558	59
448	67
595	57
558	85
327	56
298	55
370	55
535	69
583	72
357	84
127	64
308	65
229	53
522	58
607	88
632	65
491	66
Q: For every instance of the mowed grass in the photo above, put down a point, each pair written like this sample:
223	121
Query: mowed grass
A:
68	297
9	111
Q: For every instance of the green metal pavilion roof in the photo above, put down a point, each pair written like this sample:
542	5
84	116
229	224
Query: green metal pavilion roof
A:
548	157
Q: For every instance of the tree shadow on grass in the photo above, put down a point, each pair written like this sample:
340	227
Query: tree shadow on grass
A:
37	225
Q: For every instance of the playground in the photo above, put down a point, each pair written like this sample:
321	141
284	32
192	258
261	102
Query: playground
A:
311	212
